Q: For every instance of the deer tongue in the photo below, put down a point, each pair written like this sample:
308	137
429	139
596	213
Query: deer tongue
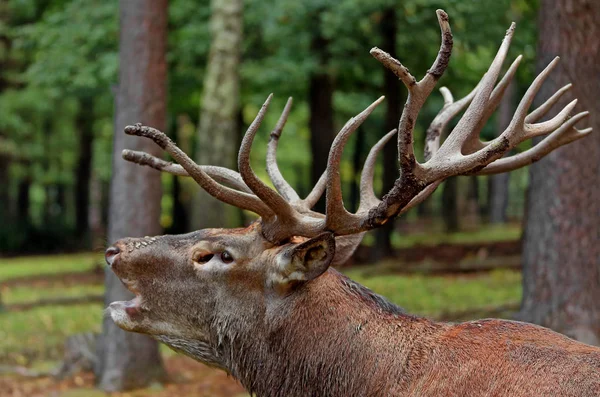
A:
132	308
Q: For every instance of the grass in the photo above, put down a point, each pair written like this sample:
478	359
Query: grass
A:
11	268
40	333
25	294
433	295
485	233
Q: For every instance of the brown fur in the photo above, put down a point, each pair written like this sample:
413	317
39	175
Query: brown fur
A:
281	326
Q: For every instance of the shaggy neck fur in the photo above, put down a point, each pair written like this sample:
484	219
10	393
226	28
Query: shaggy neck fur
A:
331	339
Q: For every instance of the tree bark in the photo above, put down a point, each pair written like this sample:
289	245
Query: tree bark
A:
561	258
97	230
358	159
498	184
320	102
23	195
322	132
83	172
450	205
129	360
218	128
471	212
393	112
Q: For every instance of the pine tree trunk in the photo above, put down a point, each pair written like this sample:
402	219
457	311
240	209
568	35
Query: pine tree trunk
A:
322	132
450	205
358	159
320	102
392	89
23	196
218	129
129	360
83	172
561	258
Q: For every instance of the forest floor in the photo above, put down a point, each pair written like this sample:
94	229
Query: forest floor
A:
47	298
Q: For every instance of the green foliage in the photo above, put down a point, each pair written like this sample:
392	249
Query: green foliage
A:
74	49
64	52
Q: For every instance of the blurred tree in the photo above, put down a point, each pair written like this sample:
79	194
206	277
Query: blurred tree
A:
450	205
561	254
394	105
498	184
218	124
74	59
129	360
320	102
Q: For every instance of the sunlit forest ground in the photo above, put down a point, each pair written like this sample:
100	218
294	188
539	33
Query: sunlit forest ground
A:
47	298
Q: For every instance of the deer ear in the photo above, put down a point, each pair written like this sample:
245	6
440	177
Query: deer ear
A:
345	247
306	261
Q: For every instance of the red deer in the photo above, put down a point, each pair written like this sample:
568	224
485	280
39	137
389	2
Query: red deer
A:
264	304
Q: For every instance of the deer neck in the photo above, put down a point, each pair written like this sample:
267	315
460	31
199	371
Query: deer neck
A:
333	339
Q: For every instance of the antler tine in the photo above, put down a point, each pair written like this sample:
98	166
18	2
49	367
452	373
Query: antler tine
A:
517	131
433	136
443	58
268	196
566	133
222	193
543	128
282	186
527	100
467	126
143	158
546	106
368	198
219	174
441	120
473	142
336	214
320	187
317	191
417	92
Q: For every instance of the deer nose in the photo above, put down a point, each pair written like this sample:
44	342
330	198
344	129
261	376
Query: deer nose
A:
111	254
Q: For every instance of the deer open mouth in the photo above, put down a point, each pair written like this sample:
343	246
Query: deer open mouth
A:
123	313
133	307
127	314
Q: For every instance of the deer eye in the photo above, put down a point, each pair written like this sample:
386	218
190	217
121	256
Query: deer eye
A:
202	257
226	257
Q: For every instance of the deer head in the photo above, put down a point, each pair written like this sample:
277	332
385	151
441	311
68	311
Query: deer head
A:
198	292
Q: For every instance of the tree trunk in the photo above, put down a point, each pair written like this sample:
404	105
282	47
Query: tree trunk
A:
561	258
498	184
358	159
96	226
320	102
472	209
129	360
179	214
322	132
450	205
217	132
23	195
391	87
83	171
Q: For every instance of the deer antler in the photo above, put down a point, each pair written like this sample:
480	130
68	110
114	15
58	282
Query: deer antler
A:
284	214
